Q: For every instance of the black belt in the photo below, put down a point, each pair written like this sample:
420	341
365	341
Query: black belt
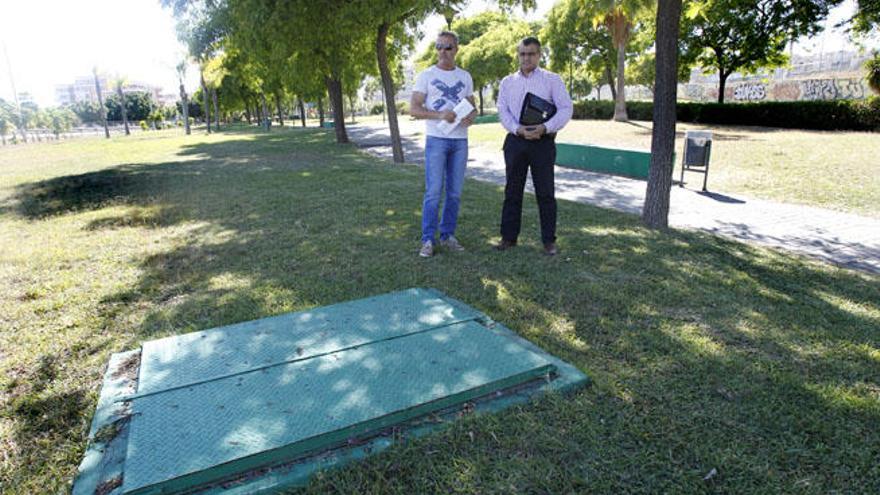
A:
550	135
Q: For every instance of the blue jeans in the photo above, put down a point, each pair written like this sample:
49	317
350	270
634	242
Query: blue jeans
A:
444	159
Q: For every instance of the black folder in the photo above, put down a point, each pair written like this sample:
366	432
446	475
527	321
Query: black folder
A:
536	110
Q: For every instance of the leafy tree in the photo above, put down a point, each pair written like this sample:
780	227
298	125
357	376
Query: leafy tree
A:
86	111
578	47
746	35
867	16
640	71
392	39
873	76
580	83
621	18
7	119
119	82
491	55
138	105
60	120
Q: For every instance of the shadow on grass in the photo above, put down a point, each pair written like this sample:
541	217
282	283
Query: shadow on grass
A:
705	352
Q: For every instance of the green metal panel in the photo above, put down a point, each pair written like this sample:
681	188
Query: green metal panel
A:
298	411
200	356
631	163
186	437
108	437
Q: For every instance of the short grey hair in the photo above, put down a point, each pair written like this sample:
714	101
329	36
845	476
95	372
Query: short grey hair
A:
449	34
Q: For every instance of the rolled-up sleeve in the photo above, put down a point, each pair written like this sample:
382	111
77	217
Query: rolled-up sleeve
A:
507	119
564	107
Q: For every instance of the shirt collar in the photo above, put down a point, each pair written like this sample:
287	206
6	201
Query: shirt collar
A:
534	73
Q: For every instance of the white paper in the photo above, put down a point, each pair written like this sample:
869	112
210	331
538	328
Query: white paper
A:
461	110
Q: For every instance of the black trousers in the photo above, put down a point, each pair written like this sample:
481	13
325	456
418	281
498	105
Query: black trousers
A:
521	154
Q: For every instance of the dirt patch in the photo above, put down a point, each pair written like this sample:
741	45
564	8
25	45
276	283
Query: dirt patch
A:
128	369
108	486
110	431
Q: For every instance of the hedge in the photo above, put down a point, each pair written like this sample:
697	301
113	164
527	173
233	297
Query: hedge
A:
858	115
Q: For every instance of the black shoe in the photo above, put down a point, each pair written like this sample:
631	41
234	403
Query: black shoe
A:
550	249
504	245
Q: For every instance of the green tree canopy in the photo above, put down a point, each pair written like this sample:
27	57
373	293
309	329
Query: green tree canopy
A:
746	35
139	105
491	55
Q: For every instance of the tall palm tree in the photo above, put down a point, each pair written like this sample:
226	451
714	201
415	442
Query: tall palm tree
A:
119	82
184	101
619	17
102	108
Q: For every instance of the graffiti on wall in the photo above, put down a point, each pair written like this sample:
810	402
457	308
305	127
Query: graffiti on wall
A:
807	89
750	92
849	89
818	89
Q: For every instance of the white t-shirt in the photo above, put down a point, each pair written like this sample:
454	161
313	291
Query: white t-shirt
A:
443	90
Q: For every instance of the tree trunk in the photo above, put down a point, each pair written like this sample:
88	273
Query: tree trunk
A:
247	112
124	110
302	112
216	109
609	76
258	113
184	103
265	110
320	111
655	213
722	83
101	105
620	98
278	108
334	88
388	90
351	107
205	104
481	101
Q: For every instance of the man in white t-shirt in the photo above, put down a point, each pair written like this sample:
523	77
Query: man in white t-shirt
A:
437	91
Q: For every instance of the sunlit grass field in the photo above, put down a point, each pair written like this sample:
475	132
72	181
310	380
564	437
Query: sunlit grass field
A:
716	366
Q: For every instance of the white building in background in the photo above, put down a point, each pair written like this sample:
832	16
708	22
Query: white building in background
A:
83	89
25	97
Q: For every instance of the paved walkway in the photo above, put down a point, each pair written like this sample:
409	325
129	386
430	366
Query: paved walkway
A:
839	238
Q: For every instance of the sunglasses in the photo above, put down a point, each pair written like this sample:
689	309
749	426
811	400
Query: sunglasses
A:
444	46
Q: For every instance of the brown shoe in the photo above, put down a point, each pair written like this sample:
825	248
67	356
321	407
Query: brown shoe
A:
504	244
550	249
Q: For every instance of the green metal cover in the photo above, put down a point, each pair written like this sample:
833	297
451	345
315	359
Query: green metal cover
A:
190	436
200	356
630	163
487	119
286	395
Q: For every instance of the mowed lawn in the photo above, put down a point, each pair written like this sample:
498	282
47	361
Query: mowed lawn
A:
716	366
838	170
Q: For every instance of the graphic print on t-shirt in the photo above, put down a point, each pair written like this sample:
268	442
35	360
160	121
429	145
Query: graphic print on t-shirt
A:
449	92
